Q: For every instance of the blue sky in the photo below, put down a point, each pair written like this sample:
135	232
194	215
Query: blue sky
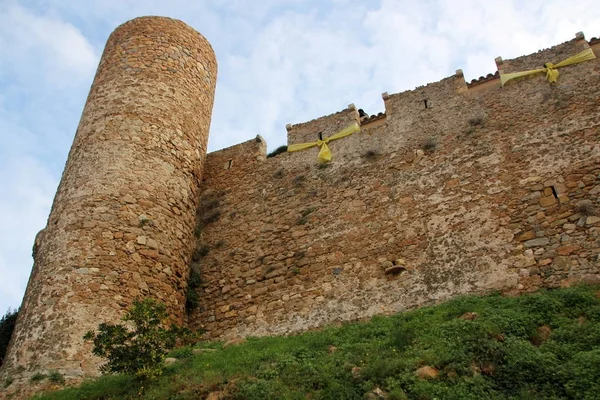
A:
280	61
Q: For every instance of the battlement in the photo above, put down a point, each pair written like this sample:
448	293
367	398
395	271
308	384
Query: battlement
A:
241	156
455	188
427	111
324	126
440	99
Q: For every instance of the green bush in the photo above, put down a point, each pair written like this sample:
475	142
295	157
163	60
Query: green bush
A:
258	389
140	352
7	325
56	377
488	354
277	151
582	375
37	377
192	300
8	381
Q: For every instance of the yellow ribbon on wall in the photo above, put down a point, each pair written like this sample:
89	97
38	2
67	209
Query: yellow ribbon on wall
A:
551	69
325	152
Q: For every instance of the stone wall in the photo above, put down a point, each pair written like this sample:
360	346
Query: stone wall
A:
483	189
122	221
326	126
456	188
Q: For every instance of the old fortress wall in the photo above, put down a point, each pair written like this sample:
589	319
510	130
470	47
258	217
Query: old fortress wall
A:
457	188
484	189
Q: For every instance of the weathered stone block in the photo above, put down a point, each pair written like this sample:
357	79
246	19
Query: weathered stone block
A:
537	242
547	201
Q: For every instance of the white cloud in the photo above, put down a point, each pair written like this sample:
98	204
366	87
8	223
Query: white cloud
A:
54	48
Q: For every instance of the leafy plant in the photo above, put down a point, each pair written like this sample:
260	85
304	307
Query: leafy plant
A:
305	213
201	251
429	145
198	230
56	377
371	155
195	279
586	208
476	121
192	299
37	377
8	381
211	217
141	351
145	221
208	211
277	151
298	180
7	326
182	352
489	356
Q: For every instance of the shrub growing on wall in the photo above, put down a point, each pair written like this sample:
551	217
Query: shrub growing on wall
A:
277	151
192	300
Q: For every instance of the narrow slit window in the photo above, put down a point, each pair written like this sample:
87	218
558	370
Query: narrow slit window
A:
228	164
425	102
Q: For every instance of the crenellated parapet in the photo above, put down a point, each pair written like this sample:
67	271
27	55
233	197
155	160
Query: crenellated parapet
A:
436	104
429	112
322	127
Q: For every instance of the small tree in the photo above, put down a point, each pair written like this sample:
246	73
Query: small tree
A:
141	351
7	326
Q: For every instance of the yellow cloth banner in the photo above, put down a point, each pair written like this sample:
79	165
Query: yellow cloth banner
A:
325	152
551	69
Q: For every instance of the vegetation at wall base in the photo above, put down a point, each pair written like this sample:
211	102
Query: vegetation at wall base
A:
141	351
544	345
7	326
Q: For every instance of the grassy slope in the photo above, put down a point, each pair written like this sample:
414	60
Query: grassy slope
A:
501	354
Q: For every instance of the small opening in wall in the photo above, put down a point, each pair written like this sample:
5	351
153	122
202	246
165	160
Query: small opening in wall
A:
554	192
229	162
426	104
320	135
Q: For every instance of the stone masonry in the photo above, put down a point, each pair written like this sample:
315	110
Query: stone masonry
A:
457	188
122	220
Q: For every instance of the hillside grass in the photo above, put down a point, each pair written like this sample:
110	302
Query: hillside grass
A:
540	346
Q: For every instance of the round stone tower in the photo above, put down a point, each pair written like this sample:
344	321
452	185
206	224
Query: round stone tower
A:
122	222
